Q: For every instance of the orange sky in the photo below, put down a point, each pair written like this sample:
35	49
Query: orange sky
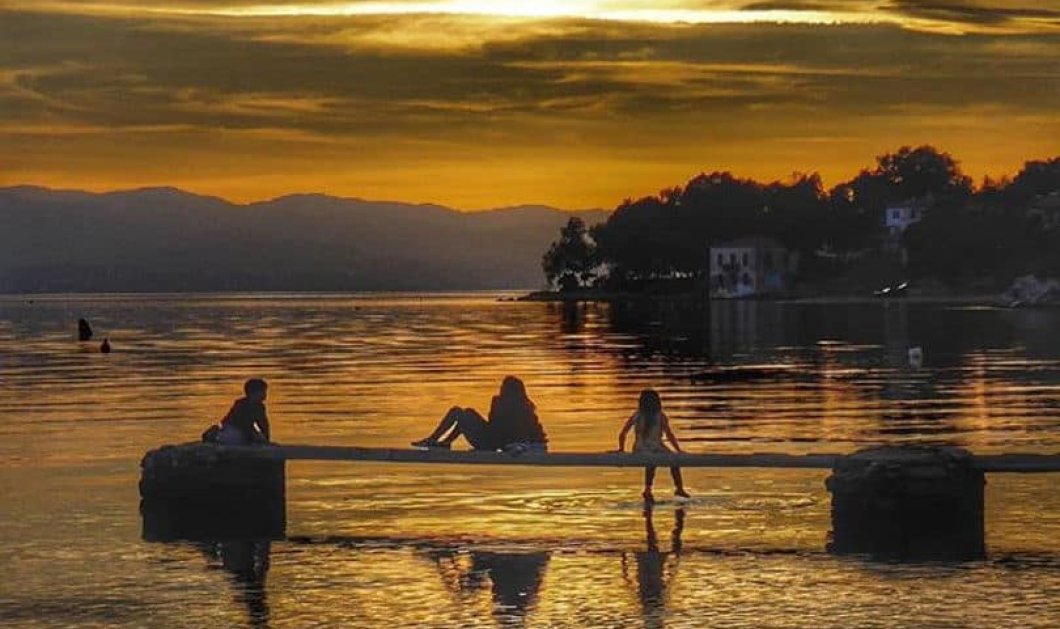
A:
480	104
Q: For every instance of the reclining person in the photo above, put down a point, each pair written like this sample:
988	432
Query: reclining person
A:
512	426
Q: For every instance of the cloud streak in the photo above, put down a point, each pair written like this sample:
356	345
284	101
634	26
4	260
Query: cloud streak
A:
477	111
938	15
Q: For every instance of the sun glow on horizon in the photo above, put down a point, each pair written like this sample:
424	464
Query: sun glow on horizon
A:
550	9
634	11
476	104
952	21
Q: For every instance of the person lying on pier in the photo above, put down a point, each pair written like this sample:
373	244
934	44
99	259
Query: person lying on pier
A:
246	422
649	424
512	425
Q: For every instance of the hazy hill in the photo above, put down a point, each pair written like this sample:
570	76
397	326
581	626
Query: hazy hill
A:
163	239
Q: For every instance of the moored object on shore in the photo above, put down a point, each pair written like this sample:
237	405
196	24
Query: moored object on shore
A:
908	503
205	491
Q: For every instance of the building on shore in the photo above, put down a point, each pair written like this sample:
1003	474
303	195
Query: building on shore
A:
897	218
750	266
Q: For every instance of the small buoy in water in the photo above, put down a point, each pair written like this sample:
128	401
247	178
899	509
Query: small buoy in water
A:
916	357
105	347
84	331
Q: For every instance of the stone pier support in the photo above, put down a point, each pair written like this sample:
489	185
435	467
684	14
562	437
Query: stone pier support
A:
908	503
202	491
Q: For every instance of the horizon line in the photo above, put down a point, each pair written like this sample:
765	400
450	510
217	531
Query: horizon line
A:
464	210
351	199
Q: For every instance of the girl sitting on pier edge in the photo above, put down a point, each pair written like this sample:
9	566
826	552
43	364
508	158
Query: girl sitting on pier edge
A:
512	425
649	425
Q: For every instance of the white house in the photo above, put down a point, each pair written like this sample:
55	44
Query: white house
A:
749	266
898	218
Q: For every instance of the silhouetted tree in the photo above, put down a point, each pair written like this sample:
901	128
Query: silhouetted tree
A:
571	261
966	236
923	173
991	237
1038	178
668	236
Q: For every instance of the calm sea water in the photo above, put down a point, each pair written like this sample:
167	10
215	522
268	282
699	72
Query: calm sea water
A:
404	546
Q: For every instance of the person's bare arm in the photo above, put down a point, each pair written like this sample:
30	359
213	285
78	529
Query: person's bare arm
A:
669	433
625	431
263	425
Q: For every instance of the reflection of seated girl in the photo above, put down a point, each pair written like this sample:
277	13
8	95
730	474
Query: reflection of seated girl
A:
512	423
655	568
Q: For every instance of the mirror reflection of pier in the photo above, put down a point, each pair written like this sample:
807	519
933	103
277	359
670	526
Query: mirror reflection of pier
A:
648	576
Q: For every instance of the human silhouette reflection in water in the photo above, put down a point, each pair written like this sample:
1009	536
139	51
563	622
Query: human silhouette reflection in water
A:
655	568
514	579
247	562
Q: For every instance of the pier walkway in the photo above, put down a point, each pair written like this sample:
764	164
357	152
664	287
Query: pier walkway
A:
1018	463
896	501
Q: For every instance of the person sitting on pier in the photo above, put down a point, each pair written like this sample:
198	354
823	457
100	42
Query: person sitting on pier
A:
512	426
649	425
246	422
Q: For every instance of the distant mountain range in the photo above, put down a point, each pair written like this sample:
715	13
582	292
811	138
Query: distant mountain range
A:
164	239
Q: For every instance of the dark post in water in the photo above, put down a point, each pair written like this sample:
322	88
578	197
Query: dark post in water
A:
200	491
908	503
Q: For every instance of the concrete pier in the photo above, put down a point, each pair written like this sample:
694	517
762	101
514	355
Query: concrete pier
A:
908	504
895	502
200	491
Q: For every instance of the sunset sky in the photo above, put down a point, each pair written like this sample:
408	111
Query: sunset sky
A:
478	103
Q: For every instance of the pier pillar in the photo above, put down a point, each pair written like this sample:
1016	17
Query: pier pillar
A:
205	491
908	503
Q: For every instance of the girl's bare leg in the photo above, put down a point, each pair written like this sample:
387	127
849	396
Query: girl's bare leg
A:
649	480
446	425
679	483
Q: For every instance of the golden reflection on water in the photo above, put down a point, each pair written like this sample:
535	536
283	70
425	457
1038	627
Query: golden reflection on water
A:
405	545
